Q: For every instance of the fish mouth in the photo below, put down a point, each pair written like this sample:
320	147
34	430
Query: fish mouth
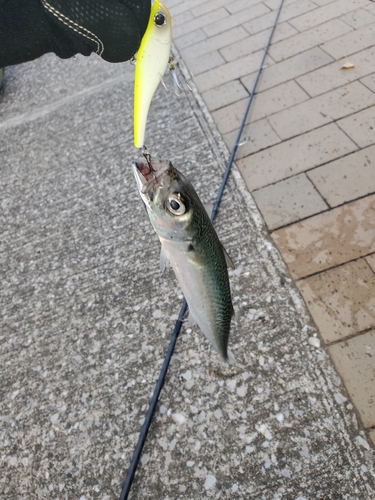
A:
145	170
144	176
147	175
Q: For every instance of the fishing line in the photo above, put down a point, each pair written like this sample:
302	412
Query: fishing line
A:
159	384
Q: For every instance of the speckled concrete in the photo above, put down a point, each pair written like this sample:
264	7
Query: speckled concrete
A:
86	317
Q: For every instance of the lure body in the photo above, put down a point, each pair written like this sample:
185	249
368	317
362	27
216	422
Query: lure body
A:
151	62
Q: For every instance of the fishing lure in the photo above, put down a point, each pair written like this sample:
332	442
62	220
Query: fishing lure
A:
151	62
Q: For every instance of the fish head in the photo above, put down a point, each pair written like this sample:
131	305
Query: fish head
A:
167	196
160	25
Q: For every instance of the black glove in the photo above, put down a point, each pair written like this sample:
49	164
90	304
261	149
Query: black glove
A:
111	28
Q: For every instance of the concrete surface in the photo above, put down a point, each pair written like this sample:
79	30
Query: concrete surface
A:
86	316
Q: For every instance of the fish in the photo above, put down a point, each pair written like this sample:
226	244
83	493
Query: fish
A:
151	61
190	243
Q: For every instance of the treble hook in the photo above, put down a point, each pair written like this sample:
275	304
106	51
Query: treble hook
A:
147	157
172	70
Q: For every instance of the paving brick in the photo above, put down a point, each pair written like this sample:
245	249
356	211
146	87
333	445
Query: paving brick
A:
175	4
322	109
260	136
298	120
308	39
370	259
341	300
354	360
204	62
189	39
255	42
246	46
235	19
200	22
351	43
320	3
294	9
237	6
206	7
347	178
360	127
260	24
271	101
282	31
369	7
196	7
229	37
288	12
225	94
369	81
358	18
289	69
325	13
288	201
332	76
230	71
275	4
264	104
229	117
329	239
178	8
184	17
295	156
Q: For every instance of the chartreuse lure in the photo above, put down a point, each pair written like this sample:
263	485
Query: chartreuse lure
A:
151	62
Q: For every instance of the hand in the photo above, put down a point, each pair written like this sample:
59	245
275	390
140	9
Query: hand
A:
111	28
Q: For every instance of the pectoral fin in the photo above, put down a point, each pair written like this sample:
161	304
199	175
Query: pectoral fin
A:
164	262
194	257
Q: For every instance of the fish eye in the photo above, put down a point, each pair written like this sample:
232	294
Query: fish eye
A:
159	19
175	204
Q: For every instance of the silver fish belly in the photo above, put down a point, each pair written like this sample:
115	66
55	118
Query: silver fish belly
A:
191	245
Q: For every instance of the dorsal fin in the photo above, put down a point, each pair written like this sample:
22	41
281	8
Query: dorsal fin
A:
228	260
209	207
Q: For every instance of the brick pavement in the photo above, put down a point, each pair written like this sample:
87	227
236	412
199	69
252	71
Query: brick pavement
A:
309	158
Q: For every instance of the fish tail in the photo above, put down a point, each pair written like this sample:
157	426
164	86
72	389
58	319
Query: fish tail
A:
231	360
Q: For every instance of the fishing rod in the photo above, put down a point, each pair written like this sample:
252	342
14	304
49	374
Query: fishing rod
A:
151	409
127	484
244	118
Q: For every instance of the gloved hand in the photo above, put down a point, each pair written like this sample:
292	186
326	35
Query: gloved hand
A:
111	28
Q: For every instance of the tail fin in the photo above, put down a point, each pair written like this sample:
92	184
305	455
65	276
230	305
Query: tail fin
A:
231	359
